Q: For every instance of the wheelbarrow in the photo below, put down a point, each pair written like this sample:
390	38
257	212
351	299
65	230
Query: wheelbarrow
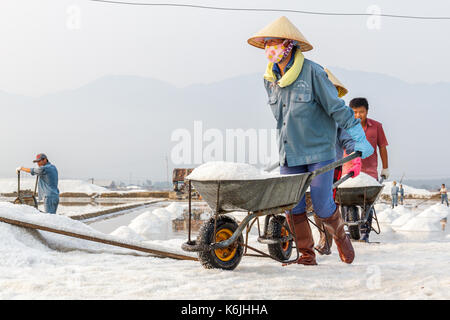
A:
356	206
220	243
26	196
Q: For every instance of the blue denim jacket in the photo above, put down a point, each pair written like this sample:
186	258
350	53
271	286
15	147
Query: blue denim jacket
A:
48	181
307	115
343	143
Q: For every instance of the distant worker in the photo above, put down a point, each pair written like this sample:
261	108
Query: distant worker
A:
443	223
48	182
394	194
375	135
402	194
443	193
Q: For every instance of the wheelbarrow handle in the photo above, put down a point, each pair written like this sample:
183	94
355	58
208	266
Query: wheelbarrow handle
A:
336	164
18	183
343	179
327	168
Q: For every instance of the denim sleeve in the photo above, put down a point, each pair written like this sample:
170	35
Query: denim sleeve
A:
345	141
37	171
327	96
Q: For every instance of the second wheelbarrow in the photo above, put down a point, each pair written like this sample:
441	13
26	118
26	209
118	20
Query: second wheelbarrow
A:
220	243
357	204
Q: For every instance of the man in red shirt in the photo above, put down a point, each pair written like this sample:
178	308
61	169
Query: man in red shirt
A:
375	135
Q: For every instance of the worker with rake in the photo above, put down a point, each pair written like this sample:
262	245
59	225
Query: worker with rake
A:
48	182
307	111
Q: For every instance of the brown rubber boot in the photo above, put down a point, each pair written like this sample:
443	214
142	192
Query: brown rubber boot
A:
325	241
335	226
304	240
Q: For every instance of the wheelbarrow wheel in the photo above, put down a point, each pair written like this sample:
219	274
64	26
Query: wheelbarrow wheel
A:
227	258
353	216
278	228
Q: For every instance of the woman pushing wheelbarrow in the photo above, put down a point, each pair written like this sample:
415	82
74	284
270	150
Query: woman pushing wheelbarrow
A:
307	111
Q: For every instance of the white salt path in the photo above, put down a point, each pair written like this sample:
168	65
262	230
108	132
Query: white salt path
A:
223	170
32	266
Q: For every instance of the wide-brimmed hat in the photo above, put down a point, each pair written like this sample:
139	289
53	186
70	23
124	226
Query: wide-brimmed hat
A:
342	91
281	28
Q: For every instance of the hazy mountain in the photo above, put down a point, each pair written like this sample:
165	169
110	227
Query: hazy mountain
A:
119	127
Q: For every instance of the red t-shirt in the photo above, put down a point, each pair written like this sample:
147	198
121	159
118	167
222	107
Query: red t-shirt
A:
375	135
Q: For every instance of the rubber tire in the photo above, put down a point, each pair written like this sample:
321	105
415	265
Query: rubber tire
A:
209	259
353	216
274	231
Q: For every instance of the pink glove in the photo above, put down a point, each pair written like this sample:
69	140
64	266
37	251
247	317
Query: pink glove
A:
356	167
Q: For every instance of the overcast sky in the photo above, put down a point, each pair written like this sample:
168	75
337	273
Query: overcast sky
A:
51	45
54	45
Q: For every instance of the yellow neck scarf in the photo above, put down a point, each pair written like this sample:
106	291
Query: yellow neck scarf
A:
291	75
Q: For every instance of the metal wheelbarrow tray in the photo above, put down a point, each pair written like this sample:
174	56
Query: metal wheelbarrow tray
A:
358	195
258	197
253	195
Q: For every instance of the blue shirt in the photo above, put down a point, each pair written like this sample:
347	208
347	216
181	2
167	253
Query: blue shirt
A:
307	114
48	181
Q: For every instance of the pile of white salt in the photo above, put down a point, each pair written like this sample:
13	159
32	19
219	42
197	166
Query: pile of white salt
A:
223	170
362	180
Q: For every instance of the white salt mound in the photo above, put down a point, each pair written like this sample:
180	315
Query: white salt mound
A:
421	224
152	226
176	210
435	212
127	233
362	180
419	193
222	170
425	221
155	224
402	220
387	216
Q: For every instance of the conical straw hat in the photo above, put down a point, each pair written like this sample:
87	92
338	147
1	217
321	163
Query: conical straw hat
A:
342	91
280	28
